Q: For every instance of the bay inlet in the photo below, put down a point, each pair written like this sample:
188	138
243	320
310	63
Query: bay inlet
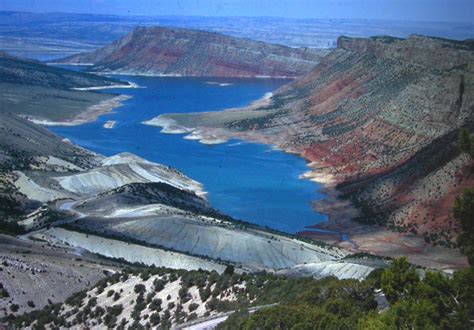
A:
248	181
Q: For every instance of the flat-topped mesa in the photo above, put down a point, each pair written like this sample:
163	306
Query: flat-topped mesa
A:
431	52
183	52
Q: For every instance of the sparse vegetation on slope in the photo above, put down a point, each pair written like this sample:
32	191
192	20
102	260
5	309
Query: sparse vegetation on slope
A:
163	297
182	52
167	297
463	208
432	302
464	211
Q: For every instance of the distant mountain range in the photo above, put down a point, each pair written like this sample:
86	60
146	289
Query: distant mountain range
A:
54	34
182	52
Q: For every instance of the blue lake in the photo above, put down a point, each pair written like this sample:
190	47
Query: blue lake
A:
247	181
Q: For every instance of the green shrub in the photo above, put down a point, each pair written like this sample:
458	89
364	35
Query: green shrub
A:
139	288
155	305
155	318
193	306
158	285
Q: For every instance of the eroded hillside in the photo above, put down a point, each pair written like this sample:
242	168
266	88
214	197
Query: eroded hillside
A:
71	208
181	52
378	118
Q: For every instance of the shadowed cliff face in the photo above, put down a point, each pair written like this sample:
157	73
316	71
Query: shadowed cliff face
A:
165	51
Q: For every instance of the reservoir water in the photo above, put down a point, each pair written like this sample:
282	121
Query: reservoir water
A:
247	181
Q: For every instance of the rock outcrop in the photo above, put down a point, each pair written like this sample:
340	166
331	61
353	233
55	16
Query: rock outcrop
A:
181	52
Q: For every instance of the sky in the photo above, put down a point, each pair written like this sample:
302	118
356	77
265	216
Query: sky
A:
415	10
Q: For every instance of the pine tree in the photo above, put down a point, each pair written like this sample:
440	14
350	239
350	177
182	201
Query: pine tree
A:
465	141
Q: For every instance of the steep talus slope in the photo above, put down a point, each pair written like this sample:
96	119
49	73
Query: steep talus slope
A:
400	164
381	115
209	237
167	51
379	118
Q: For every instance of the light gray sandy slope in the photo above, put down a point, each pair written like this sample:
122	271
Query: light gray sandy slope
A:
132	200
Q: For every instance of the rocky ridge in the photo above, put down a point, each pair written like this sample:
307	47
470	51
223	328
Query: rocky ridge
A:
181	52
36	91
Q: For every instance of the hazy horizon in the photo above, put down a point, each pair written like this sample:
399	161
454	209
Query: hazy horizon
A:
450	11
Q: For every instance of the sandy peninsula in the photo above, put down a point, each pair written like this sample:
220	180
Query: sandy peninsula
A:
95	88
89	115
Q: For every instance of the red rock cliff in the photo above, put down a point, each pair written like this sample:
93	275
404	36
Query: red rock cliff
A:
381	115
172	51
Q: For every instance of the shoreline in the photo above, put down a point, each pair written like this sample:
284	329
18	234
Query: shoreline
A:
72	64
89	115
95	88
346	233
208	135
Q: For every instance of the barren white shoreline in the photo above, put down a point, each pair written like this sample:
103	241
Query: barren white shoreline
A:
72	64
178	75
209	136
169	126
89	115
215	83
94	88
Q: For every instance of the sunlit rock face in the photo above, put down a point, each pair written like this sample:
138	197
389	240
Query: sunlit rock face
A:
181	52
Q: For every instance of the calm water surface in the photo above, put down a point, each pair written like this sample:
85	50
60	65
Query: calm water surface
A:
248	181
